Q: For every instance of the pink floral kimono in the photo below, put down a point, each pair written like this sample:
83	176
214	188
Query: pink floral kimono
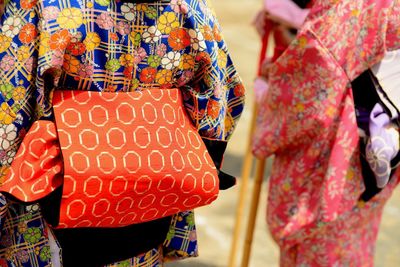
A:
307	121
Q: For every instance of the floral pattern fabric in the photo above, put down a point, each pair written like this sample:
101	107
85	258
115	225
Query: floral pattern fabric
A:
113	46
307	120
24	237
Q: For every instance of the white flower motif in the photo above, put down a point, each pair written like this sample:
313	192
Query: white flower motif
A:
197	40
128	10
171	60
8	133
32	208
12	26
8	157
379	154
151	35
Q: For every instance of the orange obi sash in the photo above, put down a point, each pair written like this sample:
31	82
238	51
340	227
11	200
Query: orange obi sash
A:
122	158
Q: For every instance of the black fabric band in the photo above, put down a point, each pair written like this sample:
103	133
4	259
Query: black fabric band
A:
96	247
216	149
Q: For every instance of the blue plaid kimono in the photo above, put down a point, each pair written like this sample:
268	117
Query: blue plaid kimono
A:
107	45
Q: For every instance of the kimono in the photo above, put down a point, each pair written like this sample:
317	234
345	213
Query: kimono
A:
111	46
307	121
284	18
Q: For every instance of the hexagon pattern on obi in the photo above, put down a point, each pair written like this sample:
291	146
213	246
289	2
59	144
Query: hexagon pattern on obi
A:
128	158
37	167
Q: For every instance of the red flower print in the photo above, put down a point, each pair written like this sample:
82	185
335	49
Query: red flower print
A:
179	39
28	4
239	90
213	109
128	71
203	57
76	48
148	75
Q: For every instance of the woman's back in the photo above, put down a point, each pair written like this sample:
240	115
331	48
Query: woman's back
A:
109	46
122	46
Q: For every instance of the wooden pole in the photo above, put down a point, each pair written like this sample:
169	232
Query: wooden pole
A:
253	212
246	171
248	160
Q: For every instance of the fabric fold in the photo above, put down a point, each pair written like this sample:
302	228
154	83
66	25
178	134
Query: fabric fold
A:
37	169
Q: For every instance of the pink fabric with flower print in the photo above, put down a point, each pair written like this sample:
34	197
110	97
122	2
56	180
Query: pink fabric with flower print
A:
308	120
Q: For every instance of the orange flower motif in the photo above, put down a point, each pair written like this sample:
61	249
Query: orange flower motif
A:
213	109
207	32
60	40
187	62
303	41
164	77
229	123
355	12
148	75
179	39
204	58
127	60
71	64
110	88
217	34
3	173
28	4
330	112
28	33
114	36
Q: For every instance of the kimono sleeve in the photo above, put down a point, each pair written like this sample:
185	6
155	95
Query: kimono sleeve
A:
25	63
393	28
31	53
215	97
305	98
310	83
18	60
355	32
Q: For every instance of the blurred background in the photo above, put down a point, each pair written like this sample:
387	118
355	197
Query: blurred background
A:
215	222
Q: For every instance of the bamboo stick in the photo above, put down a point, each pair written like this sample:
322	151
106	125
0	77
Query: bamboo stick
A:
253	212
246	171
